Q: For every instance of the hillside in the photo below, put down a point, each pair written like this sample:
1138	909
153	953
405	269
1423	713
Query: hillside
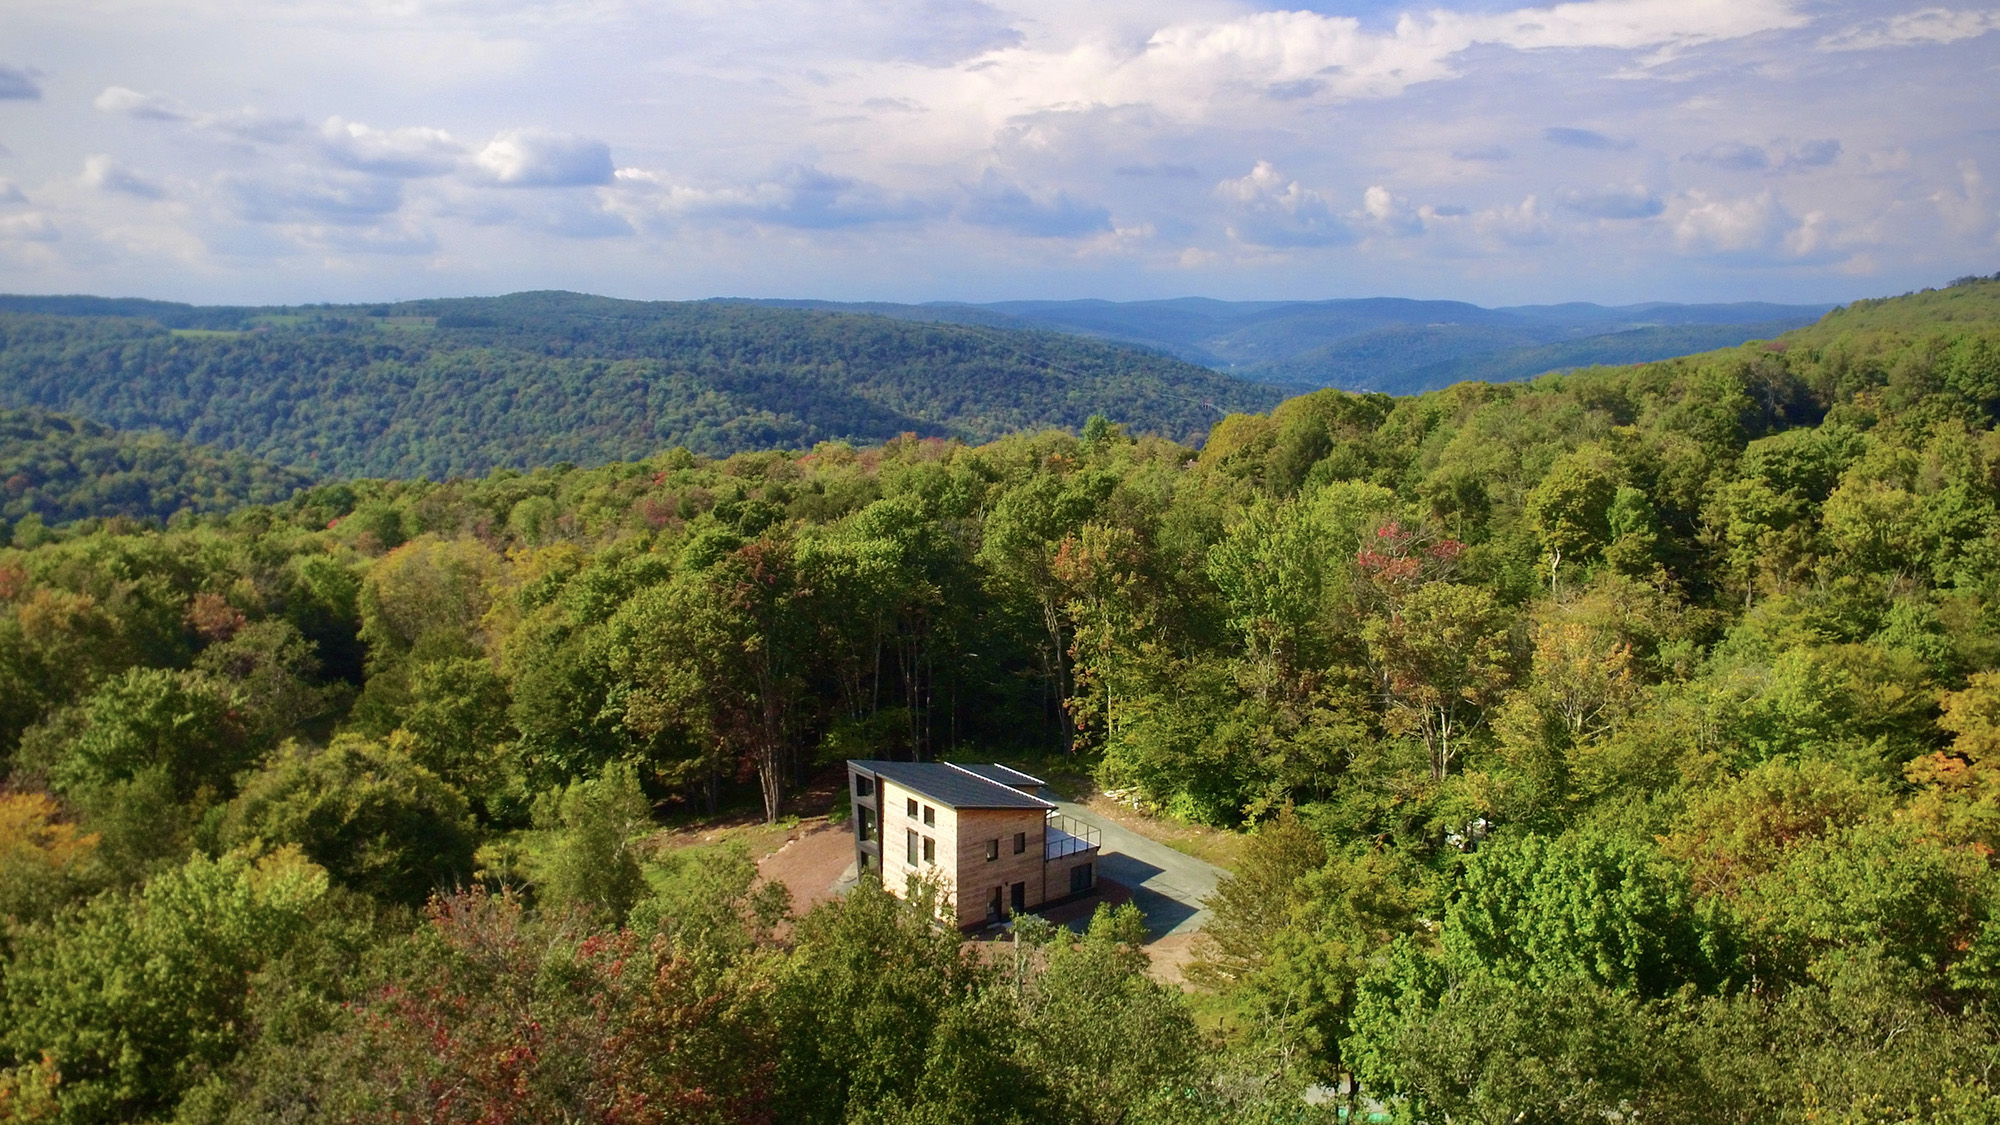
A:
1383	343
60	469
435	388
1361	363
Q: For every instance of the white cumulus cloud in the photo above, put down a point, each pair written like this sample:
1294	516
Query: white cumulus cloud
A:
801	196
1269	209
1729	226
535	158
28	228
146	107
1927	25
106	174
408	152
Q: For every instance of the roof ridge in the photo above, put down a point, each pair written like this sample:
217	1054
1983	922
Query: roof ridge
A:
993	791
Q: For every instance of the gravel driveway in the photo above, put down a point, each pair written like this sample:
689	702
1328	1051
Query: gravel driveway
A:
1167	886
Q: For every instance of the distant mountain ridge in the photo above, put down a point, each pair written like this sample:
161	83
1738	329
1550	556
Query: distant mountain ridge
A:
462	386
1393	344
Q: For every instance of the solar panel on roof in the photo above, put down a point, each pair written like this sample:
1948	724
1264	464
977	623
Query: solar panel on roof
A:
951	785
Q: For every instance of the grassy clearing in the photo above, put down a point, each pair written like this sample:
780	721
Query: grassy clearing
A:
205	333
758	838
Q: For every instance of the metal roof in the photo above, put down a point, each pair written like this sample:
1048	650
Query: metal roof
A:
1005	775
950	785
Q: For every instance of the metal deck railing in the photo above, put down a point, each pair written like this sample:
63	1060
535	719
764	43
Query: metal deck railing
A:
1066	837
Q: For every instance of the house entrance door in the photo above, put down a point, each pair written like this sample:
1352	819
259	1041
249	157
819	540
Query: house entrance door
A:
993	910
1019	894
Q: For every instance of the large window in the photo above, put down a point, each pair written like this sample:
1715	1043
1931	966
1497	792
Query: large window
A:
864	822
930	851
1079	878
913	847
864	786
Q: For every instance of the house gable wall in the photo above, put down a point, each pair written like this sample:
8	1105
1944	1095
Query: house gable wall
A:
896	824
978	876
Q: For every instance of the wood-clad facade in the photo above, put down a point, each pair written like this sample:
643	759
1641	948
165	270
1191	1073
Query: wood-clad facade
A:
992	847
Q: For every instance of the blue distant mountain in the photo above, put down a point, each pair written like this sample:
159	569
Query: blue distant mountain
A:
1380	343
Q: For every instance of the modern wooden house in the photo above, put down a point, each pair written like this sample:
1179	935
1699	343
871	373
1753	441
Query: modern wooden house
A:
994	847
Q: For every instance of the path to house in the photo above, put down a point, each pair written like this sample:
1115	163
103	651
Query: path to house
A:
1167	886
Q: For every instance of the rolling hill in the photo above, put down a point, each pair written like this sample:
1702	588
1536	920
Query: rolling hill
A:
1381	343
444	387
61	469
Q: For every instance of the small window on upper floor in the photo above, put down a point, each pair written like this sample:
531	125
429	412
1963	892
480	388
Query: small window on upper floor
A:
1020	842
992	850
913	808
930	815
864	786
930	850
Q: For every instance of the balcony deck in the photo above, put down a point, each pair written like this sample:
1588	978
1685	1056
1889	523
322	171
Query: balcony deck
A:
1065	837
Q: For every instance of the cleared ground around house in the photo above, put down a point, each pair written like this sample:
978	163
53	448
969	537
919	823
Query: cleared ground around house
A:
811	862
1168	886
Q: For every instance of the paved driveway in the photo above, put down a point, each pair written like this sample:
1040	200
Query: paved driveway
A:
1167	886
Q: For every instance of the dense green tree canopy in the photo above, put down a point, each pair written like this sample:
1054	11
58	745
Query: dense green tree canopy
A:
1616	745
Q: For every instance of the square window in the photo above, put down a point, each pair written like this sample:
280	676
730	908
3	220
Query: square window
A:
913	808
912	850
930	850
930	815
992	850
1020	842
864	786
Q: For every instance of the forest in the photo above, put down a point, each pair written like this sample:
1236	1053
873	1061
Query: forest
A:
1619	745
453	387
57	469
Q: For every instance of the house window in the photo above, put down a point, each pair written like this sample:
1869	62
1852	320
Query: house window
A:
912	806
1018	894
864	786
930	815
864	823
992	850
913	847
930	851
1020	842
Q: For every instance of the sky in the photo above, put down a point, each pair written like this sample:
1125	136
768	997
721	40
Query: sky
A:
287	151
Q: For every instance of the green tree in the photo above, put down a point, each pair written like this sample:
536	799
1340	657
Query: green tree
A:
135	999
1571	507
590	866
176	722
1113	1044
457	720
378	821
1586	905
1441	657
